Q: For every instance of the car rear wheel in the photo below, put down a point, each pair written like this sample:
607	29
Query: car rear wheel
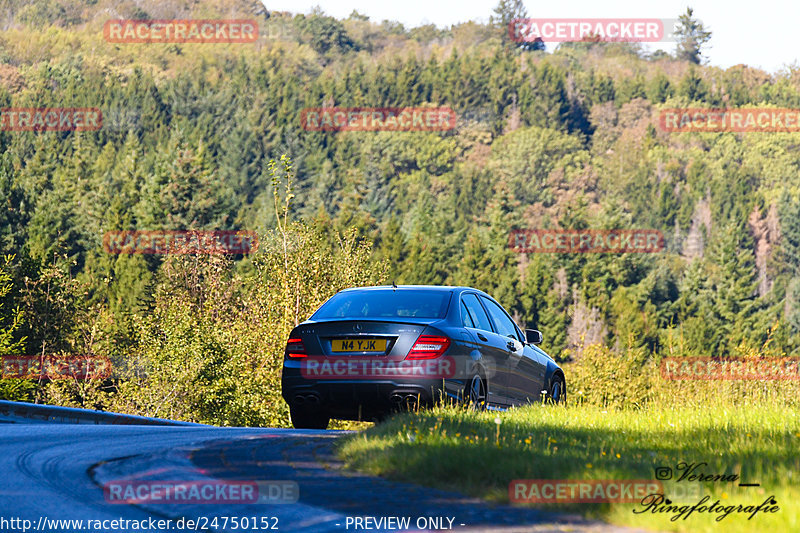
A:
557	392
305	420
476	393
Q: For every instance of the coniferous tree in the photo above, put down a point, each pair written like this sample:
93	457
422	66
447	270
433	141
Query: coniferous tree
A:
692	36
659	89
692	87
504	13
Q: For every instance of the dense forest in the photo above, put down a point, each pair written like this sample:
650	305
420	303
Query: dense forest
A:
209	136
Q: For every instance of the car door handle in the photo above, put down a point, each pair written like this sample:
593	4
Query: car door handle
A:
481	337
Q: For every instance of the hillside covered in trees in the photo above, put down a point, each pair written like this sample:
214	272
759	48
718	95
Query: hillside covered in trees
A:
557	138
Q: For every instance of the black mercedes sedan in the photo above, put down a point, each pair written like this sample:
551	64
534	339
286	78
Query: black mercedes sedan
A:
370	351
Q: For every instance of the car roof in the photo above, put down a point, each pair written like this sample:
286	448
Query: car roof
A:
433	288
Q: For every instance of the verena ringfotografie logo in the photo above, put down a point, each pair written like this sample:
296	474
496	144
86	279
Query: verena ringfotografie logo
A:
181	31
53	367
180	242
50	119
592	30
378	119
581	491
370	367
211	491
658	503
749	120
586	241
711	369
688	487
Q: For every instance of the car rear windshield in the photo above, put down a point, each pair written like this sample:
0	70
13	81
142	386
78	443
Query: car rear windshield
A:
385	304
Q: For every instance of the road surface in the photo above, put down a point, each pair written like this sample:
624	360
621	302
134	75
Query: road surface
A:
57	472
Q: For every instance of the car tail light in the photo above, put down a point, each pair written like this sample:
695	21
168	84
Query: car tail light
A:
429	347
295	348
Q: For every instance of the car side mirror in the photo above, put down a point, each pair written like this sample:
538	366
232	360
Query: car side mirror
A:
533	336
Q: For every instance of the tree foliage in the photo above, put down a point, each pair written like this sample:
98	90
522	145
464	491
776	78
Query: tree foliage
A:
193	137
692	36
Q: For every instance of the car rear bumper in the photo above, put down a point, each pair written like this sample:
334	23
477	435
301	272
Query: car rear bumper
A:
363	399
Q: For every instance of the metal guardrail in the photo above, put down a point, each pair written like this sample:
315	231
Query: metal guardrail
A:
27	413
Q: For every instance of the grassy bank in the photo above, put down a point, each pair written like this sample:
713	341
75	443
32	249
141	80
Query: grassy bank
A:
470	452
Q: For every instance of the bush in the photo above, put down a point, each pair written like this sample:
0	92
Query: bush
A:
211	349
632	379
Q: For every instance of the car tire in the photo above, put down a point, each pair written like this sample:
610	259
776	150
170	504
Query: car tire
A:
305	420
475	392
557	391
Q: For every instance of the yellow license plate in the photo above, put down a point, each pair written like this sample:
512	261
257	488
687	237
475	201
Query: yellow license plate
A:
358	345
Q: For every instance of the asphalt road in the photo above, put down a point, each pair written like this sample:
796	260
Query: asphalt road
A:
54	472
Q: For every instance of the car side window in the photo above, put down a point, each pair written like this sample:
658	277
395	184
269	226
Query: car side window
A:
476	312
466	320
505	326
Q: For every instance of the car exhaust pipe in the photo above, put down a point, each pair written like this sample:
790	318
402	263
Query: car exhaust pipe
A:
404	401
307	399
312	399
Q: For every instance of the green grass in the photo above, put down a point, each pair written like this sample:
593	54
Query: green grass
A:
469	452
